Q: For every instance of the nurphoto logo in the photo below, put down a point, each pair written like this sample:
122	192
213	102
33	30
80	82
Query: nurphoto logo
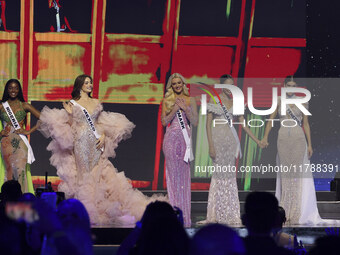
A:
239	107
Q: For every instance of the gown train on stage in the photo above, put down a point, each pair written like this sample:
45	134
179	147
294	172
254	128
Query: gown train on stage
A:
85	171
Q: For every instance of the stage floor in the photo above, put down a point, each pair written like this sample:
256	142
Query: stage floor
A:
114	236
329	208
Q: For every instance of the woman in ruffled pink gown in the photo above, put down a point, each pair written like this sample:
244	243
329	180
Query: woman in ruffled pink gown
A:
174	145
82	160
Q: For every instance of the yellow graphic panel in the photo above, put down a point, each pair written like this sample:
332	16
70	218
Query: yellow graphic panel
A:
57	67
131	74
8	62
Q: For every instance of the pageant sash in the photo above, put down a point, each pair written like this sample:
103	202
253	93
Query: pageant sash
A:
292	115
189	156
16	125
228	117
88	120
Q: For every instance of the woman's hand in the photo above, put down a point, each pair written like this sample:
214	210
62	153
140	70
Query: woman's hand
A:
310	151
264	142
68	107
260	144
212	152
4	132
100	141
22	131
181	103
176	107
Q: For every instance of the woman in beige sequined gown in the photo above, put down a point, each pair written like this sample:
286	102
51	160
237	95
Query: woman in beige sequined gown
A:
223	201
82	160
13	148
294	189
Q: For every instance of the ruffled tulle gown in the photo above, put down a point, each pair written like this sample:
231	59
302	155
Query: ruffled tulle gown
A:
85	171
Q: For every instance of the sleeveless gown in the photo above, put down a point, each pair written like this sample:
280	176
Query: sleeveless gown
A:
14	153
295	190
223	201
178	177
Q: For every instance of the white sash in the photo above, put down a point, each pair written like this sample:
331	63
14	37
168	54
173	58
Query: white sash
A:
88	120
189	156
228	117
292	115
16	125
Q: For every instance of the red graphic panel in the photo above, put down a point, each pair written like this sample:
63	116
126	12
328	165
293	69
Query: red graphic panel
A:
265	63
200	63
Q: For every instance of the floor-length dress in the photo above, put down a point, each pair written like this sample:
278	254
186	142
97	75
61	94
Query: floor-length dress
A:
223	200
85	171
295	190
178	179
14	152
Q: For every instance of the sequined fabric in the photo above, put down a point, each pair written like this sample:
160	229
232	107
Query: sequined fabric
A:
85	151
14	150
223	200
86	172
177	171
20	115
291	145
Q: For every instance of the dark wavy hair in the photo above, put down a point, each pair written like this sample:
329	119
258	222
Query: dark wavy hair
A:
289	78
225	77
78	84
5	96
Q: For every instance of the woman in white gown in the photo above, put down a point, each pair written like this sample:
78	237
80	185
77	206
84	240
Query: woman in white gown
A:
224	148
295	190
81	157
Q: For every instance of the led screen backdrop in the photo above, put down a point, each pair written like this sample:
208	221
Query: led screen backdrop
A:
130	48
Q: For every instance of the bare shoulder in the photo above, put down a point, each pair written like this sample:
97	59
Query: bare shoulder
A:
96	101
26	106
164	101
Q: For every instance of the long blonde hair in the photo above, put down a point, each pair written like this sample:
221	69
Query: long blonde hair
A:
170	94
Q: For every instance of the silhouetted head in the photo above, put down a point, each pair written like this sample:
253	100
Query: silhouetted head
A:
326	245
216	239
281	218
161	231
76	223
11	191
72	212
261	210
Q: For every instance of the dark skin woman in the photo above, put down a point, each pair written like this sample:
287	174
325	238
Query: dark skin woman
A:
14	150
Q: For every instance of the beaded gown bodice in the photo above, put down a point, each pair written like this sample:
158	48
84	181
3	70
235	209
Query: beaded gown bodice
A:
86	153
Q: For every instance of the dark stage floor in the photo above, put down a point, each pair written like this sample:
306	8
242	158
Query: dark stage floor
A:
328	207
